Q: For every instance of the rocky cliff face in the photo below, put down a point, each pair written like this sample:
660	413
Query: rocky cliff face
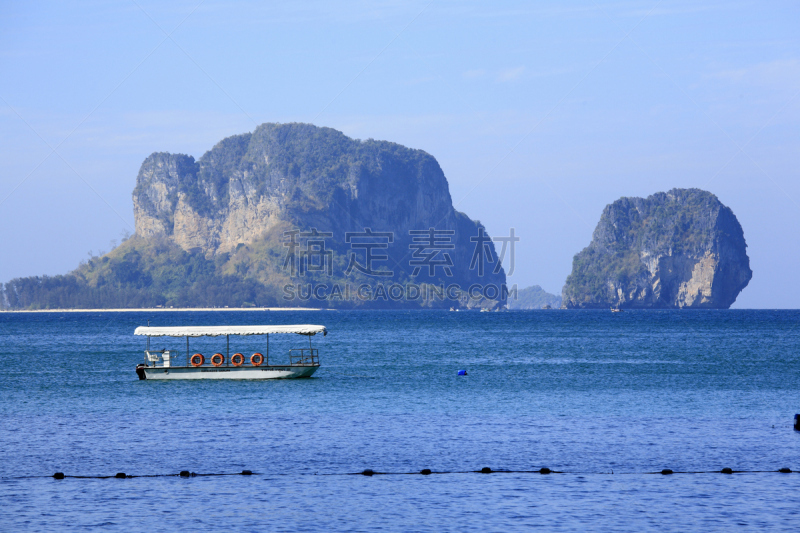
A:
677	249
302	176
249	183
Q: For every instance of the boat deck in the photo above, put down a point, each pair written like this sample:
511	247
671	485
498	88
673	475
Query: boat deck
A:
227	372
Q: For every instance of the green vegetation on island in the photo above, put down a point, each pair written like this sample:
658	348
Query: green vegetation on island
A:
682	248
288	215
534	297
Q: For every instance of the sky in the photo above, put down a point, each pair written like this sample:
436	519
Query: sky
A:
539	113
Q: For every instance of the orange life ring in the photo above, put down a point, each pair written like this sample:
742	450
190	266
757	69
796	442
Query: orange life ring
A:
237	359
256	359
197	359
217	359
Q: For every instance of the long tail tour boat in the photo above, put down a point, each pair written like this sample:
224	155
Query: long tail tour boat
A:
164	364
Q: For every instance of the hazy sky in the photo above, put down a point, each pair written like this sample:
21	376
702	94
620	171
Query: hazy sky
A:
540	113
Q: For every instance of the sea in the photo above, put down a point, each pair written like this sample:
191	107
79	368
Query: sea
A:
605	401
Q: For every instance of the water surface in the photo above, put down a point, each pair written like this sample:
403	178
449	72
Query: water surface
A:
584	392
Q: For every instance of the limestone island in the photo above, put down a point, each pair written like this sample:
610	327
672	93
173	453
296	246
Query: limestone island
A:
289	215
679	249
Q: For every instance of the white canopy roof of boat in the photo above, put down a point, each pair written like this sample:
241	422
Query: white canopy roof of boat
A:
216	331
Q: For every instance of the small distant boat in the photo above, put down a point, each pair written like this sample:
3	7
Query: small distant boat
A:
616	310
161	364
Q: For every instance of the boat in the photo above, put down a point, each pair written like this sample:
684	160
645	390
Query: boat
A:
168	364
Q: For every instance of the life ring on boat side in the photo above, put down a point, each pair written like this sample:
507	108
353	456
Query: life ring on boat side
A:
257	359
217	359
237	359
197	359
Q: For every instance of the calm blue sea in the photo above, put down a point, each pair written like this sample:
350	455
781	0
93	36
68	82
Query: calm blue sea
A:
584	392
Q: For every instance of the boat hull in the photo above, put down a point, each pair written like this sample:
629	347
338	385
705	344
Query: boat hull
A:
263	372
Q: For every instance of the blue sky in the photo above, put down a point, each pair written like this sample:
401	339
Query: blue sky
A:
540	113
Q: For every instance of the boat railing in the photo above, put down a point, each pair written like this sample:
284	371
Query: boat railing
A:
165	358
304	356
171	358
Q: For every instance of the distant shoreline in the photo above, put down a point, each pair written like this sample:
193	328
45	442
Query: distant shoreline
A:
163	309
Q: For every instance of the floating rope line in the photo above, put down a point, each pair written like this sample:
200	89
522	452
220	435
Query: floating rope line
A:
424	472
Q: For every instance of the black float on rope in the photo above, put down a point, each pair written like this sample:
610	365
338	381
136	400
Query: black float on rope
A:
426	472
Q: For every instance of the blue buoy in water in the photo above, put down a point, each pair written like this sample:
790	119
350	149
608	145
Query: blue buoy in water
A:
464	373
